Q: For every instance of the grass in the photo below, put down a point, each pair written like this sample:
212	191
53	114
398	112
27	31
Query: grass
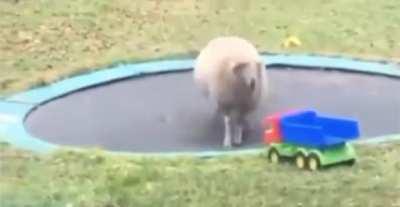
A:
93	178
43	41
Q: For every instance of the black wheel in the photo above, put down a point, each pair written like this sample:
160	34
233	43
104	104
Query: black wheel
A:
350	162
314	162
300	160
273	155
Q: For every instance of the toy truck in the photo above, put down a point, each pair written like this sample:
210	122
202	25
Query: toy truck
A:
313	141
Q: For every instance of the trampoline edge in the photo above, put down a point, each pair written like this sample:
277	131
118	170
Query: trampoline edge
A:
15	108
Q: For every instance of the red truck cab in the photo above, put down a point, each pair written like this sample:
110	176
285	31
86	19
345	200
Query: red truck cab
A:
272	126
272	133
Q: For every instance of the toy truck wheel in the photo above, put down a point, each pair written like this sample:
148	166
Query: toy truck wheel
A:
273	155
300	159
350	162
313	162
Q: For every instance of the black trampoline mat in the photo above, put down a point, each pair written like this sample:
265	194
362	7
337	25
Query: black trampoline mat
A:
166	113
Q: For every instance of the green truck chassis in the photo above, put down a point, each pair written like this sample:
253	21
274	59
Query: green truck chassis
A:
311	158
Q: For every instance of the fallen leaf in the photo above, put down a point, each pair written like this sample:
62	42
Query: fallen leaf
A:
291	41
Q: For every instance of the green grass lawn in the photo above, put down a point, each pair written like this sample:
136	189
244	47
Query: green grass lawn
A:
42	41
92	178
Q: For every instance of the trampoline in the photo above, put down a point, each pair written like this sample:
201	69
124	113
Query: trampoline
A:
161	111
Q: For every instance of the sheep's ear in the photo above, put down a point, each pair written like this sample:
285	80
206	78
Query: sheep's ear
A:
252	84
239	67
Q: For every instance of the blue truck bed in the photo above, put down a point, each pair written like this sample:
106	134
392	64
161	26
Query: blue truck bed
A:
306	128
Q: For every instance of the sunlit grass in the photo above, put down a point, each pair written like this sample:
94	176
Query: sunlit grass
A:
42	41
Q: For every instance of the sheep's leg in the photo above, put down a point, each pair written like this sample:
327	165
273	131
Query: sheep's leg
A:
237	140
228	131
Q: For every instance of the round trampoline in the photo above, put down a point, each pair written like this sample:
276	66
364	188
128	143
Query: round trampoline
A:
162	111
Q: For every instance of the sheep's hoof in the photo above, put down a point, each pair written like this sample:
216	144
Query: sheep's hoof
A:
237	142
227	145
